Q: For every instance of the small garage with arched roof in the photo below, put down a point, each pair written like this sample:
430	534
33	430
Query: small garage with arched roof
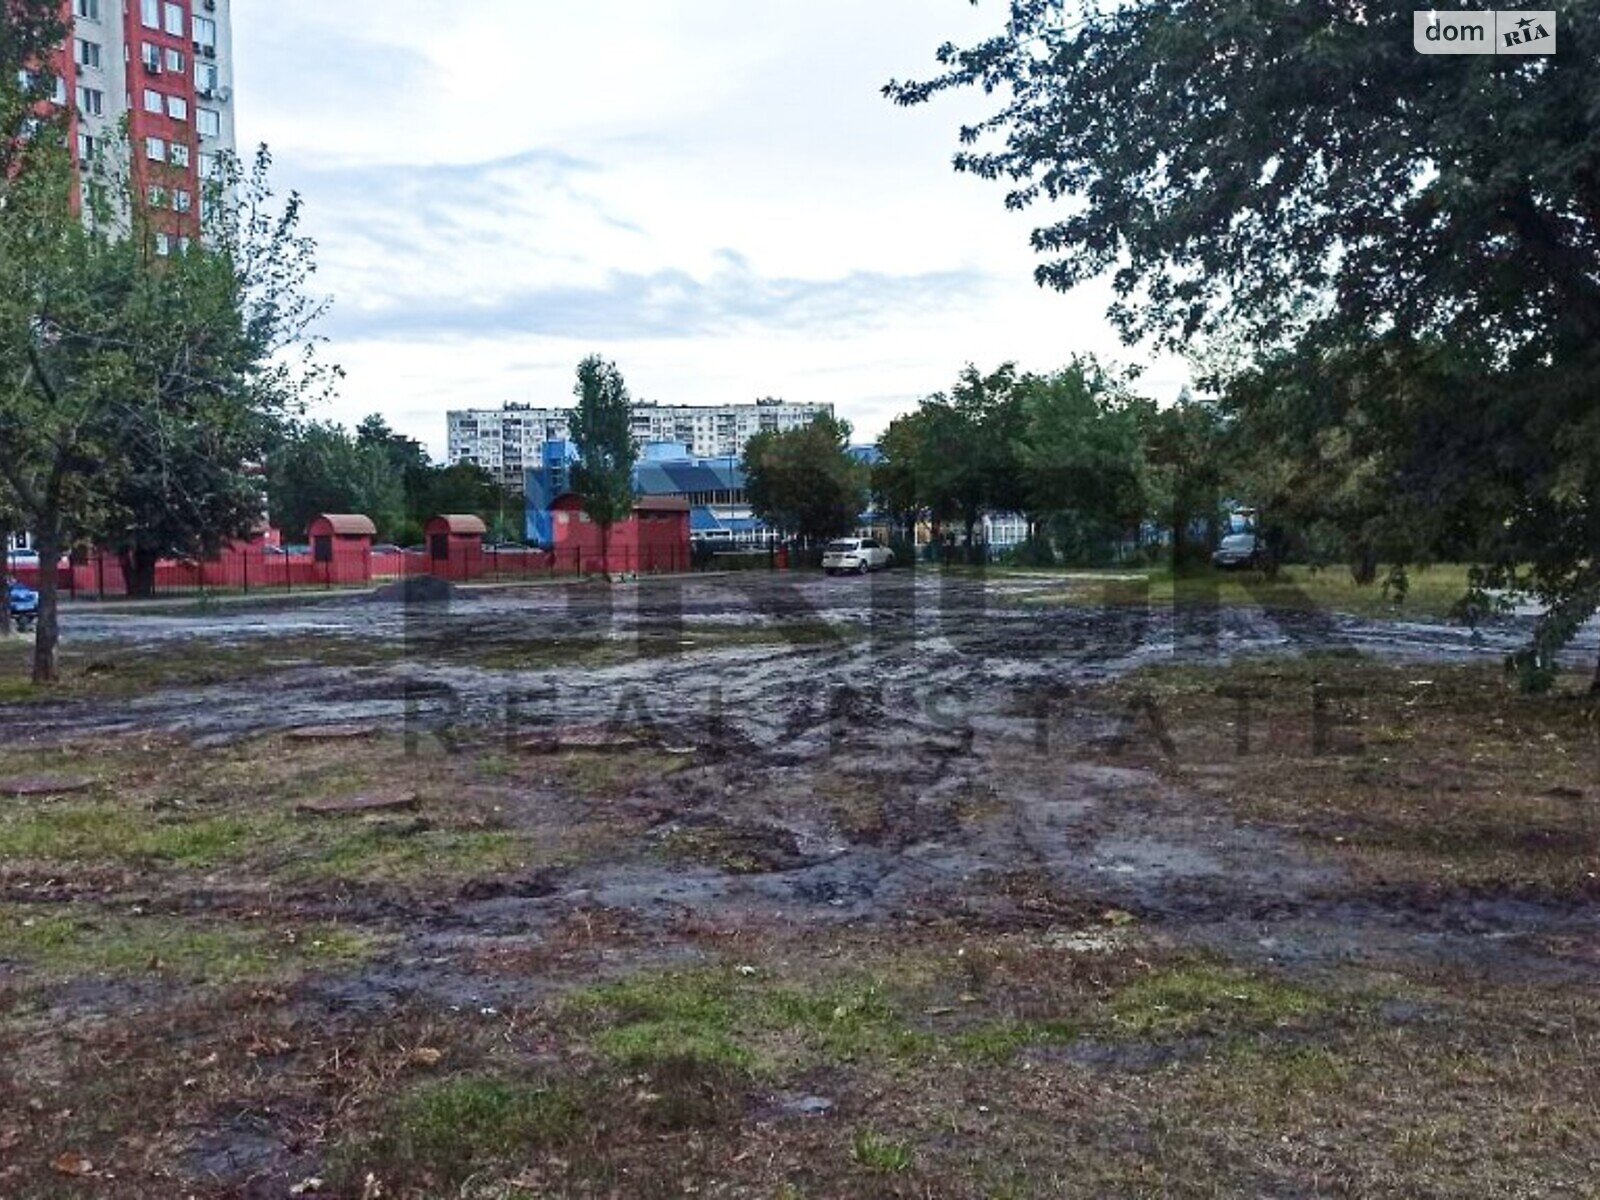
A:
455	545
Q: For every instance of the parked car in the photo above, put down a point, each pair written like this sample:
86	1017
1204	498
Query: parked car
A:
859	555
387	548
24	603
1237	551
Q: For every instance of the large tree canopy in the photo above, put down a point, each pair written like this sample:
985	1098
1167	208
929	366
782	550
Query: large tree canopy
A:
804	481
1275	163
138	391
954	456
1407	246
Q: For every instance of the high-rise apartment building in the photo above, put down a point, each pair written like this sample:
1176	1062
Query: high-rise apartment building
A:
167	66
507	441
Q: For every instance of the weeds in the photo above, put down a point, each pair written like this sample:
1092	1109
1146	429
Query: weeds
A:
876	1153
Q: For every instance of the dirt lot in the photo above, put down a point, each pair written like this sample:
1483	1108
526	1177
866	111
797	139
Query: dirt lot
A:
793	887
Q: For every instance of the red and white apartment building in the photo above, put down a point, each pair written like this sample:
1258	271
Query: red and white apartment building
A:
167	66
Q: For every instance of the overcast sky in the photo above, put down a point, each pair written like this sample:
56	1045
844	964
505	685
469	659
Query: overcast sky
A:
712	192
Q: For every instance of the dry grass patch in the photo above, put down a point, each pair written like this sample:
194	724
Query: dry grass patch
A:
1424	774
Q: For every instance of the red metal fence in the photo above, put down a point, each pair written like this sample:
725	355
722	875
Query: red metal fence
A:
261	568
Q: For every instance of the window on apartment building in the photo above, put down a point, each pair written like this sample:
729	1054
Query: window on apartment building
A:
86	148
180	154
208	121
60	94
177	108
163	245
150	14
183	245
152	101
88	10
182	201
155	149
208	165
88	53
175	61
205	32
174	14
206	78
150	55
156	196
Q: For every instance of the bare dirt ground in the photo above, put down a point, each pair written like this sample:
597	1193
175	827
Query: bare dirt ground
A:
786	886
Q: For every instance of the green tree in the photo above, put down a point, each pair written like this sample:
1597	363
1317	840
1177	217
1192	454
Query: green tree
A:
1082	455
602	431
1296	175
321	468
46	444
29	31
804	482
467	488
954	457
1184	449
896	478
131	382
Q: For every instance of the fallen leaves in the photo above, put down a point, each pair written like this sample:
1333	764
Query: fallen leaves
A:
425	1056
72	1164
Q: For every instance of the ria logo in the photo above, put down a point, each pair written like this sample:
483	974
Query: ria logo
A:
1528	29
1456	32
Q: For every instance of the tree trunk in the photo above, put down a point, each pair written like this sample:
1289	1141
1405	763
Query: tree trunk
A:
1180	538
5	587
1594	688
47	633
1364	567
605	551
139	573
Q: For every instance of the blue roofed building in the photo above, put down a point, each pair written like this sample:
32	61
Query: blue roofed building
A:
719	513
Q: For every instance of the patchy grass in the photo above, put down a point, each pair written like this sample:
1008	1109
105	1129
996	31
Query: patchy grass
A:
736	849
119	672
387	851
877	1153
194	1023
1434	591
162	804
604	775
644	1044
748	1021
1185	1000
1431	775
110	832
999	1042
441	1133
64	942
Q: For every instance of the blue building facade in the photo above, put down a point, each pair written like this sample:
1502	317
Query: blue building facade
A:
544	483
714	488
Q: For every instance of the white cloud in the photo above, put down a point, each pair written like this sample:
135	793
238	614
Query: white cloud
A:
714	193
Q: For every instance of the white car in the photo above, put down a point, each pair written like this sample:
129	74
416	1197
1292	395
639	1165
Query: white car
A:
859	555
